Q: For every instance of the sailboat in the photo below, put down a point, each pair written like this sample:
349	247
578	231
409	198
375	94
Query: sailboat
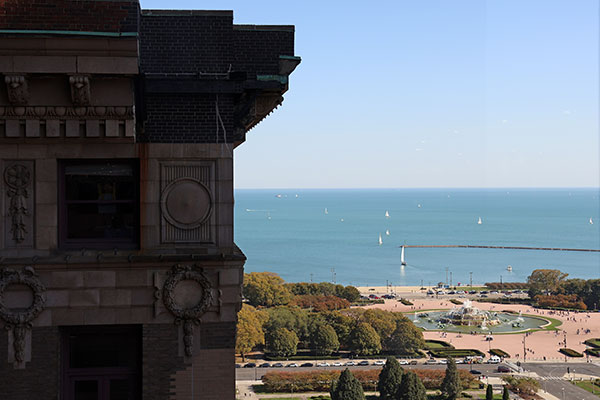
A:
402	262
387	214
591	221
509	268
326	212
387	232
380	240
479	221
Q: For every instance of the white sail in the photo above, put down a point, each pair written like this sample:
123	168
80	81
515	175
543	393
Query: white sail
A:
591	221
380	240
387	232
402	262
326	212
387	214
479	221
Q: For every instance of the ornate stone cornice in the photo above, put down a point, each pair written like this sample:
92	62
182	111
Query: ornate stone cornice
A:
18	92
64	113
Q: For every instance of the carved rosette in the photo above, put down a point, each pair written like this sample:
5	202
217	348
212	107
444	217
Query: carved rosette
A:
20	321
17	178
187	316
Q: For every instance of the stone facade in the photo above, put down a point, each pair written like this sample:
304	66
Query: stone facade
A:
116	194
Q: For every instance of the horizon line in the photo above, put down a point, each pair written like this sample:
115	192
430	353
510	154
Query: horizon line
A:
427	188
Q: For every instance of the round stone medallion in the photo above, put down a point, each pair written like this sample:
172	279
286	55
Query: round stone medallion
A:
186	203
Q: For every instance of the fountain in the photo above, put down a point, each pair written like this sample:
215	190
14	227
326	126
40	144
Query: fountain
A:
467	315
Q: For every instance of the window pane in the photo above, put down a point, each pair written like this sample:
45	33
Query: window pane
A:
86	390
122	389
104	350
102	181
106	221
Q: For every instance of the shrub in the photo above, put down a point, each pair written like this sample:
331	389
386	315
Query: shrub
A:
499	353
560	301
445	353
595	342
593	352
457	302
570	352
527	386
437	344
405	302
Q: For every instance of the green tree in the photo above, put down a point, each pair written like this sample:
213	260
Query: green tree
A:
390	378
505	395
292	318
451	383
406	338
265	289
281	343
324	340
411	388
364	340
489	393
545	281
249	330
342	324
347	387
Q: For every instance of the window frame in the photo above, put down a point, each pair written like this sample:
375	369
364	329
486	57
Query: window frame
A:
96	243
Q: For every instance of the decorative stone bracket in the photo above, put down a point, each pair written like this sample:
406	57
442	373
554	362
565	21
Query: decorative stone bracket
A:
19	322
80	89
187	316
17	178
16	86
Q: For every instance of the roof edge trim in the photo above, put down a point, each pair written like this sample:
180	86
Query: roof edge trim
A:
71	33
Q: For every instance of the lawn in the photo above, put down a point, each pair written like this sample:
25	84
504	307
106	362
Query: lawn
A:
590	386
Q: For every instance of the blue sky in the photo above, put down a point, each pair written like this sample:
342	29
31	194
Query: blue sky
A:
428	93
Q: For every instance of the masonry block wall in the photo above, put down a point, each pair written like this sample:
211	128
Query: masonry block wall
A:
96	88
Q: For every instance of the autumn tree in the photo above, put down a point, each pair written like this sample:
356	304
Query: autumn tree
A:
281	343
364	340
265	289
545	281
347	387
324	340
390	378
451	384
249	329
411	388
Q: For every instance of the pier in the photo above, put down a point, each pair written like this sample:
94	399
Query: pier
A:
469	246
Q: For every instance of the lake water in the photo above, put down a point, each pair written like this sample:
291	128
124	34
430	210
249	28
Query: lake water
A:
290	232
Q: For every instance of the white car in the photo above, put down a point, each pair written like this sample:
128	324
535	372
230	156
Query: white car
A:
379	362
292	365
350	364
323	364
337	364
403	362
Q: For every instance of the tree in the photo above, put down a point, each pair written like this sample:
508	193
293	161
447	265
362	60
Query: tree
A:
324	340
489	393
505	395
281	343
411	388
545	281
347	387
390	378
342	324
249	330
406	338
350	293
451	384
364	340
265	289
292	318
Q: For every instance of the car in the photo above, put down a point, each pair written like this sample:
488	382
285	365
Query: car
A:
443	361
430	292
472	291
459	361
250	365
503	368
337	364
277	365
363	363
350	363
431	361
494	360
307	365
323	364
292	365
475	372
403	362
483	295
264	365
413	362
379	362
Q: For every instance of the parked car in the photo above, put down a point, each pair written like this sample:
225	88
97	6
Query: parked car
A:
413	362
307	365
350	363
250	365
292	365
403	362
459	361
379	362
431	361
323	364
277	365
443	361
264	365
475	372
503	368
494	360
363	363
337	364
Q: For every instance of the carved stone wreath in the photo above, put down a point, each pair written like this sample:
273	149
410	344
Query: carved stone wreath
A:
20	321
189	316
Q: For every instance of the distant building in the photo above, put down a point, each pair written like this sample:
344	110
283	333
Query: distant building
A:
119	276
